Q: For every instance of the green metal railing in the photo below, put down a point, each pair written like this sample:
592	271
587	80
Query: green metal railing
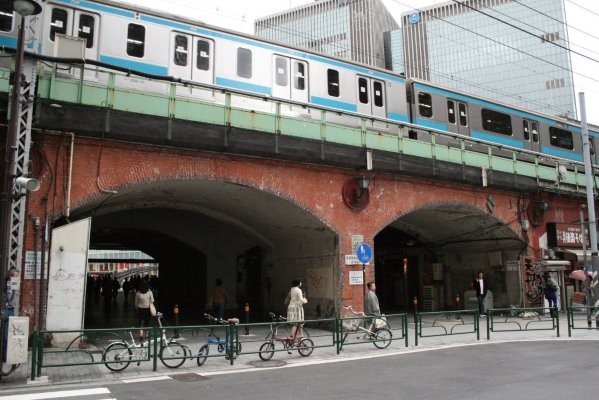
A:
581	317
522	319
86	347
241	110
446	323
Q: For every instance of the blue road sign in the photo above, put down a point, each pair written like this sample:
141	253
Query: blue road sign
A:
364	253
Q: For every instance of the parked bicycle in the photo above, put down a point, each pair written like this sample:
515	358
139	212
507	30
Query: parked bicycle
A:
222	344
118	355
304	345
378	331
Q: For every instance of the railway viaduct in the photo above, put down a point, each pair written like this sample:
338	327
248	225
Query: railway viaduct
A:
258	203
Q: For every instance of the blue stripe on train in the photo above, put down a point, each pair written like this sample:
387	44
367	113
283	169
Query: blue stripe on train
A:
497	139
245	86
562	153
135	65
340	105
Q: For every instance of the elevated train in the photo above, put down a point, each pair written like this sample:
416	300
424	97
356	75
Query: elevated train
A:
161	45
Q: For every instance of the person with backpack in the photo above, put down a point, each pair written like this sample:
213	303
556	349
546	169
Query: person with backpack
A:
551	288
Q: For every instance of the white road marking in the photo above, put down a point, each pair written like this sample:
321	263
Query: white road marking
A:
57	395
146	379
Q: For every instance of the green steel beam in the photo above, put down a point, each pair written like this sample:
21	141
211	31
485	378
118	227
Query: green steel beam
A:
172	103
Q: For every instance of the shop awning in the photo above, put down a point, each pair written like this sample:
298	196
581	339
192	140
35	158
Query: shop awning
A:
579	253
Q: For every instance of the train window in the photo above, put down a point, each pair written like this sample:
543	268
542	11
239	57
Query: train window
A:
58	22
299	75
181	50
534	128
378	94
281	71
86	29
244	62
450	111
6	16
203	55
561	138
591	145
425	104
463	114
363	90
333	82
136	40
525	131
497	122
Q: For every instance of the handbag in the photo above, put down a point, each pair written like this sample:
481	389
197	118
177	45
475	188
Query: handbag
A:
152	310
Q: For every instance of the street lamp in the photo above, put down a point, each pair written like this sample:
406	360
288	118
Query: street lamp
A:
24	8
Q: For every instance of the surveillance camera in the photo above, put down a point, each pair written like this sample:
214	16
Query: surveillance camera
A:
27	184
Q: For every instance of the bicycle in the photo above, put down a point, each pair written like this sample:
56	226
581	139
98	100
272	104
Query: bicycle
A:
378	332
118	355
282	323
222	344
304	345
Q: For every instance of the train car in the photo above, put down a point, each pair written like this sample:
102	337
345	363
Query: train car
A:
161	45
449	110
158	45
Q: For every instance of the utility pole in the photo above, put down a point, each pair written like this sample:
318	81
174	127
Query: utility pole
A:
590	177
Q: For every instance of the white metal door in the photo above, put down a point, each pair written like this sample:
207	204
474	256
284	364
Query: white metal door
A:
67	278
290	79
371	96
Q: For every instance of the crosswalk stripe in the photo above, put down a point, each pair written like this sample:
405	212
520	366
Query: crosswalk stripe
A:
57	395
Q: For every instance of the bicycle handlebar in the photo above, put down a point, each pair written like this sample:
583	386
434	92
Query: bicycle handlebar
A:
221	321
277	318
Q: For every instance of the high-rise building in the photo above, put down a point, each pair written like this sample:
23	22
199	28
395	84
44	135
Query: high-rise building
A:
349	29
513	51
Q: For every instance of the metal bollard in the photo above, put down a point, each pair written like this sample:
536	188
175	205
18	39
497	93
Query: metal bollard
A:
415	301
457	305
246	308
176	318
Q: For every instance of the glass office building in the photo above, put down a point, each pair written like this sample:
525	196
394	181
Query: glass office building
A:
348	29
522	61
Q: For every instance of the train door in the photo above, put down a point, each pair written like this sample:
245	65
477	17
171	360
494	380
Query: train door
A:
290	80
192	59
67	22
371	97
457	117
530	134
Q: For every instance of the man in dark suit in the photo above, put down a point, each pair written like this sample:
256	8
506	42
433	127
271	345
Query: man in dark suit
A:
480	285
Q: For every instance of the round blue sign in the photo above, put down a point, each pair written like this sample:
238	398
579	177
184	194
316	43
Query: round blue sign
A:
364	253
414	18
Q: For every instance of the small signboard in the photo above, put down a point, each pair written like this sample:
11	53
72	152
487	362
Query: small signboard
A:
356	278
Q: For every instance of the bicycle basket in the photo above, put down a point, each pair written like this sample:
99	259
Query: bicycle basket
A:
351	324
380	322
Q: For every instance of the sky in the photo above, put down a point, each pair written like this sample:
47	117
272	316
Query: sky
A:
239	15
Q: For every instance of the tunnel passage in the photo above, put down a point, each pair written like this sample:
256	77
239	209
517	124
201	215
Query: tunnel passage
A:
199	231
444	245
181	266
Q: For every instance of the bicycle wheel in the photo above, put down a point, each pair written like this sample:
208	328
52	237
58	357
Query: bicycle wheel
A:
267	350
382	338
7	369
117	356
173	354
305	347
203	354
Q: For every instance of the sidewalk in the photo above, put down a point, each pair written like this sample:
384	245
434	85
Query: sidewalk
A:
249	359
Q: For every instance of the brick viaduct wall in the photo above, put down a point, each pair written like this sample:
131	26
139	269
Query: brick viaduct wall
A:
317	189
